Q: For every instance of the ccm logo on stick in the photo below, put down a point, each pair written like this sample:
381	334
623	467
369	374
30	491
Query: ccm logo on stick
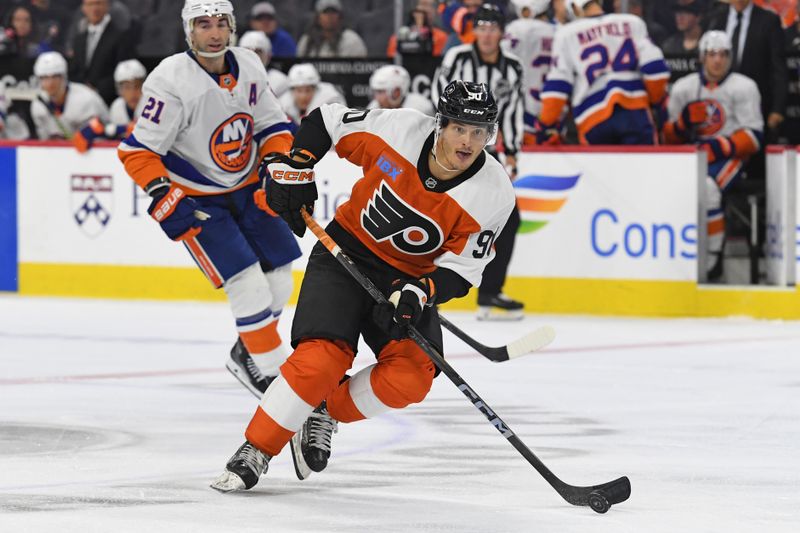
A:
292	175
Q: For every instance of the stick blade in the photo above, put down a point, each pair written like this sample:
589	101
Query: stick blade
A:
532	342
613	492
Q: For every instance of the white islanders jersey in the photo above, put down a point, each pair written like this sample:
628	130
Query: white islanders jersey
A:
326	93
120	116
732	105
207	128
400	211
278	81
531	41
601	62
81	105
411	101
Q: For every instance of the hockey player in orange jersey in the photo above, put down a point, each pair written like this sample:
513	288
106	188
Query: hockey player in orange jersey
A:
420	224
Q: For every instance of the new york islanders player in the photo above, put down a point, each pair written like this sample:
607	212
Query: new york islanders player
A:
129	76
420	224
208	119
530	38
720	110
258	42
611	72
307	92
390	86
65	106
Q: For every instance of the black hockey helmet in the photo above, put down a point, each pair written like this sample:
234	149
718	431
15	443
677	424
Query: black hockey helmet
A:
489	14
467	101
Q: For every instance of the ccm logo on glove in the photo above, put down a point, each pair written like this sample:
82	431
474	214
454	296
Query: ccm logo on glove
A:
167	204
292	175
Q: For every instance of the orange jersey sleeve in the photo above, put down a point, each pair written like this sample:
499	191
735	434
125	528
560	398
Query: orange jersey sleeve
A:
142	165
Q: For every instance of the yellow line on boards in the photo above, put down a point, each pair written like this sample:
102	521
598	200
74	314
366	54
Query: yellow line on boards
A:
540	295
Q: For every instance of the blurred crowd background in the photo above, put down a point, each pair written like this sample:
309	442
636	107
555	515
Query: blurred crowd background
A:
325	32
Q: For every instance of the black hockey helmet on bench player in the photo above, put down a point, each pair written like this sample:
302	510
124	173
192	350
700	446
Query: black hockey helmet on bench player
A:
470	103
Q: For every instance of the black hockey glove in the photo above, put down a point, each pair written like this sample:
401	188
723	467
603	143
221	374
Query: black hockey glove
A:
406	304
289	186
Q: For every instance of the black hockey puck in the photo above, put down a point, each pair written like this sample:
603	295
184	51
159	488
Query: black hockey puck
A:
598	502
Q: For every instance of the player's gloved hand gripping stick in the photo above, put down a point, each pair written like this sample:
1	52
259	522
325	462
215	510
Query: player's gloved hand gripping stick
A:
599	497
174	210
288	186
405	306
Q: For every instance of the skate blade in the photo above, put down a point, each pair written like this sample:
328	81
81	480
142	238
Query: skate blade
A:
301	469
228	482
240	375
499	315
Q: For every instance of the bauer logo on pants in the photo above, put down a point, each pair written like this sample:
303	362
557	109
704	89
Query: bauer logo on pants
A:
387	216
92	202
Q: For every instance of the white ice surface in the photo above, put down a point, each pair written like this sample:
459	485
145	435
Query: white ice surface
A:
115	416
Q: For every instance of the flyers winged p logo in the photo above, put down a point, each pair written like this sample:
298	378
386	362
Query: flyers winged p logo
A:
388	217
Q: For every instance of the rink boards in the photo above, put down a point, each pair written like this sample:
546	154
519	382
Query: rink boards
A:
604	231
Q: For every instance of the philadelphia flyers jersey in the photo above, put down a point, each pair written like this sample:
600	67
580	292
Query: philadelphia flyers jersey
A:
731	105
207	128
400	211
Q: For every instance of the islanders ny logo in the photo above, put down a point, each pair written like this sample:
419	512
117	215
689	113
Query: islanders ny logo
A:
540	198
714	118
231	143
92	202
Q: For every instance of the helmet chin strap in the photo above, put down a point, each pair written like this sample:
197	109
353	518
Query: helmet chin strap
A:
211	55
433	152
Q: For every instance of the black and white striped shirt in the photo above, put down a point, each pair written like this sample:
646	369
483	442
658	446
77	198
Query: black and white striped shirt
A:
504	79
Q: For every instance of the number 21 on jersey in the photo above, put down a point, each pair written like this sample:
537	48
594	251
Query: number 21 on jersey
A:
148	113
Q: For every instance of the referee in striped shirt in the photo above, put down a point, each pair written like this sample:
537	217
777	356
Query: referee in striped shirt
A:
485	62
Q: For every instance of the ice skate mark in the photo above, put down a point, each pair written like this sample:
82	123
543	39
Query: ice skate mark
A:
94	338
115	375
667	344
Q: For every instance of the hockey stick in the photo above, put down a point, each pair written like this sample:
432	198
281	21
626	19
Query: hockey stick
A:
64	130
532	342
599	497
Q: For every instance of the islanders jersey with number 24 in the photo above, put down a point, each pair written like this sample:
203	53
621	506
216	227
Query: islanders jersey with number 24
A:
600	63
400	211
206	132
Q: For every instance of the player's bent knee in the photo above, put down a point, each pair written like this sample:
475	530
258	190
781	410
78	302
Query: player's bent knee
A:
280	285
315	368
404	375
248	292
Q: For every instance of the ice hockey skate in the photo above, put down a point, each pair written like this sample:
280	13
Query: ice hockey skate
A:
311	445
498	307
242	366
242	470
